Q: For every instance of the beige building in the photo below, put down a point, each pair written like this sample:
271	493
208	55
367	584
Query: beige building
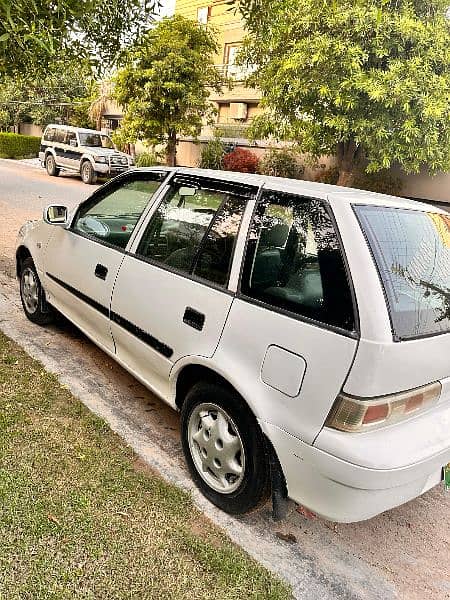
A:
236	107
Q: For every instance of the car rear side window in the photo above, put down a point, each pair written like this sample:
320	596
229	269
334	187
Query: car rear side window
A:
294	262
412	253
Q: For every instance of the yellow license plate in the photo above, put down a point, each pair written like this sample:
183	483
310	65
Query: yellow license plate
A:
447	477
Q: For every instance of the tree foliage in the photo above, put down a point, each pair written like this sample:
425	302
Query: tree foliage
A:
33	33
360	78
165	83
61	95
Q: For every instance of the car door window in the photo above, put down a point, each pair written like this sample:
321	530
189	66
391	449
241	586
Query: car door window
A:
293	260
194	231
111	216
71	138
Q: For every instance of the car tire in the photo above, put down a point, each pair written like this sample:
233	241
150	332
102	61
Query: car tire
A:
50	165
32	295
224	448
88	174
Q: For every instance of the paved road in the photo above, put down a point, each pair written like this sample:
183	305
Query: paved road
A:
24	191
400	554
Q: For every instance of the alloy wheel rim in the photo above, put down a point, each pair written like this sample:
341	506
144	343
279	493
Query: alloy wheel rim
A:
216	448
30	291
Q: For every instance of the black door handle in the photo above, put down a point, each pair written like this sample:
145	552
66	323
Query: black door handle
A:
193	318
101	271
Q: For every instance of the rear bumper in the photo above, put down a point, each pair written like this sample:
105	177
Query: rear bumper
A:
341	491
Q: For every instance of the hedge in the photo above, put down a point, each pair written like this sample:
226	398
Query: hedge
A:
14	145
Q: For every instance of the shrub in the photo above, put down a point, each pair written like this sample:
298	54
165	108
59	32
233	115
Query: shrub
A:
212	154
148	159
240	160
330	175
14	145
281	163
382	181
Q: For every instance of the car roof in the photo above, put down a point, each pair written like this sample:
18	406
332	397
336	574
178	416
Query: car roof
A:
75	129
332	193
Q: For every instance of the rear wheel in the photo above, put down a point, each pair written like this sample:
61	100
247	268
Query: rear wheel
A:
224	448
88	174
32	295
50	165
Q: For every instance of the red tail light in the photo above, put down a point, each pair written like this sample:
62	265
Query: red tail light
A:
358	414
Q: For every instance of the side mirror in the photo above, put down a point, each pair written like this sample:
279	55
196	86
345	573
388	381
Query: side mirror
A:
55	214
73	143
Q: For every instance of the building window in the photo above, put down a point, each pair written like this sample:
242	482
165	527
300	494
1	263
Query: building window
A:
203	14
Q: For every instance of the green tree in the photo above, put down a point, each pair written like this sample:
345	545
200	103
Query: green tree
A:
61	95
364	79
33	33
165	83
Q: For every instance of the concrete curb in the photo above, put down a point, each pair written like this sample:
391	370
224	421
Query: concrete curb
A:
316	567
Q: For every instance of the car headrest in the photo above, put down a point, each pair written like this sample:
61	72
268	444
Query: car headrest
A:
275	236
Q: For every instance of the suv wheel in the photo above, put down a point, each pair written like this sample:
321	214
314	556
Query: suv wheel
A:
224	448
32	295
50	165
87	173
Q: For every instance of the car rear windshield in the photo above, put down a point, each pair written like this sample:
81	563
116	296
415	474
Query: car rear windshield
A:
412	252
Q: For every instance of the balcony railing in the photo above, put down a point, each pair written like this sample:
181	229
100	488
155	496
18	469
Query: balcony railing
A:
235	72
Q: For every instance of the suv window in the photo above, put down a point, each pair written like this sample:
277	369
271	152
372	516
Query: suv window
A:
111	216
49	135
95	140
71	136
412	253
59	136
293	260
195	233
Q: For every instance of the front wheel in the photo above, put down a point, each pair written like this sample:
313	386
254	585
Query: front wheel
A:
50	165
32	295
88	174
224	448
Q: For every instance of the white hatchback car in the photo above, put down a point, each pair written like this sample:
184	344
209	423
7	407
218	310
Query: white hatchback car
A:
302	330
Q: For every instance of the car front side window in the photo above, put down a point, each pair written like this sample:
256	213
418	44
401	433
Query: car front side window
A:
112	216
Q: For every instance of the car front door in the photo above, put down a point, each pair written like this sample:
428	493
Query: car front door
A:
171	298
82	262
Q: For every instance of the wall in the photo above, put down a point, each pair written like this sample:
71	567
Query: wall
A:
30	129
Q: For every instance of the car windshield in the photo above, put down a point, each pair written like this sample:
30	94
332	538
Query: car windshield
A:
412	252
95	140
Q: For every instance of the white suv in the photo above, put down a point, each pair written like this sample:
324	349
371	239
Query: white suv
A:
85	151
303	330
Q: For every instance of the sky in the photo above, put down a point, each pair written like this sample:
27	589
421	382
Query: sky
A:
167	8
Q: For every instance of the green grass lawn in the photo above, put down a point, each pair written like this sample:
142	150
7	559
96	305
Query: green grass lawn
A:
81	517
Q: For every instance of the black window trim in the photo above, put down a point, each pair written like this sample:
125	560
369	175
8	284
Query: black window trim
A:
216	186
356	333
107	188
395	338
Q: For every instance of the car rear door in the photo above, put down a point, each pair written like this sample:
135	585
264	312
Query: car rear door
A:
82	262
171	298
291	335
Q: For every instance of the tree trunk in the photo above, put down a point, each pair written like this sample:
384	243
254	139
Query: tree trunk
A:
171	149
347	160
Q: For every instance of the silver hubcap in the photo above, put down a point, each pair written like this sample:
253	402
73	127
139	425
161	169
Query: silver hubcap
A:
86	171
49	164
30	290
216	448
